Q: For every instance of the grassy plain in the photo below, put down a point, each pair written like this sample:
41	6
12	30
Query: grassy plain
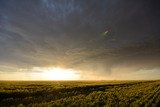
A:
80	93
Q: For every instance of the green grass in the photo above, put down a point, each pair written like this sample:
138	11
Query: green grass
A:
80	93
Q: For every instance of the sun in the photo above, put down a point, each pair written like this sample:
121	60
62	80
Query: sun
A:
54	73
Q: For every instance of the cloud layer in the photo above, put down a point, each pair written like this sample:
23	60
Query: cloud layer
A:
71	34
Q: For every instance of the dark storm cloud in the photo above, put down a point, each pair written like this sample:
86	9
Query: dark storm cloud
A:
71	34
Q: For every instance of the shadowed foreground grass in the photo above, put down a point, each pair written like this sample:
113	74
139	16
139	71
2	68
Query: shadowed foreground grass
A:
80	93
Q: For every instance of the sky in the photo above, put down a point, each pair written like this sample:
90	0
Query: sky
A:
95	39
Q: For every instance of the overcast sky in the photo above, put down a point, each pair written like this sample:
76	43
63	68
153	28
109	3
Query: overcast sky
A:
105	39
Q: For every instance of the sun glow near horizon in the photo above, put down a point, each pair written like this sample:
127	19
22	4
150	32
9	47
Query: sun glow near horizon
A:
55	73
42	73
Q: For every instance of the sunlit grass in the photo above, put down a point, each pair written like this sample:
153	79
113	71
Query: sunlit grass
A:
80	93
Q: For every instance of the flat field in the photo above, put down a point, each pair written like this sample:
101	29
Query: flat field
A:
80	93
